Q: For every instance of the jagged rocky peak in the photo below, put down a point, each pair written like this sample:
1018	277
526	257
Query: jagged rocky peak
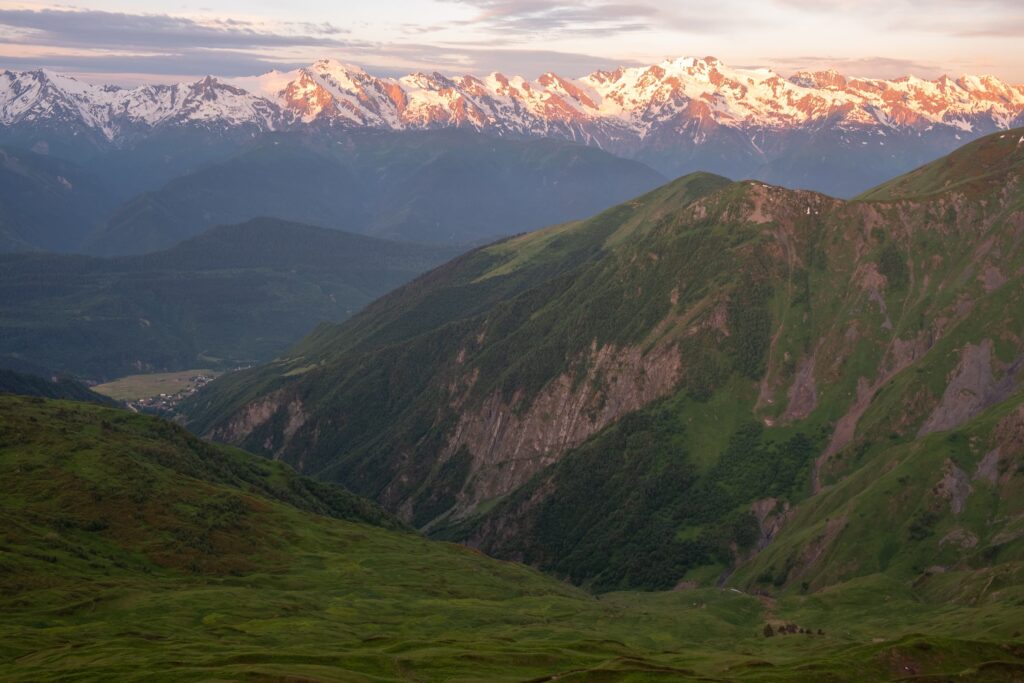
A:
210	87
39	96
328	65
829	78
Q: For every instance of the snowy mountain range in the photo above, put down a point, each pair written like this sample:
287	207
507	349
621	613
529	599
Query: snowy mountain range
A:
636	101
33	97
679	115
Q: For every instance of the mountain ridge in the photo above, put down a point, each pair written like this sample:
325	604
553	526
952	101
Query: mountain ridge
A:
63	388
711	299
228	296
429	187
680	115
47	204
638	96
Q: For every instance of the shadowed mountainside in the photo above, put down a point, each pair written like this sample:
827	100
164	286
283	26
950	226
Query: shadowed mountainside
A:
233	295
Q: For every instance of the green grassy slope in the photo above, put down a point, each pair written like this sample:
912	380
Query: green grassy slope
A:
954	511
968	169
382	370
236	294
130	550
57	387
772	341
645	503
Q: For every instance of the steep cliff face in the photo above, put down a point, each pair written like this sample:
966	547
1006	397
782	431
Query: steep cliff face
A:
508	447
615	400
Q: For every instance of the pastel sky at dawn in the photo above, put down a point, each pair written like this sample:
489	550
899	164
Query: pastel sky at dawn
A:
160	40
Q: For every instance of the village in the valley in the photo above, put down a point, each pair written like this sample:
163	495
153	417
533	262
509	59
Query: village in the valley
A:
168	403
158	393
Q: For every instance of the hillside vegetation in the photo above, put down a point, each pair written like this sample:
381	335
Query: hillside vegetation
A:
704	385
234	295
131	550
22	384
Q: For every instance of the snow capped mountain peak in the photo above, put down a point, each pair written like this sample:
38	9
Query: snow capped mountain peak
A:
681	63
332	66
827	79
116	112
675	97
213	102
207	83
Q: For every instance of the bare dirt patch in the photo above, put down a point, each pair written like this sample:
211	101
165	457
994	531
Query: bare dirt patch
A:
972	388
803	394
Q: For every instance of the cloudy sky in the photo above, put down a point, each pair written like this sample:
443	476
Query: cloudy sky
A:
166	40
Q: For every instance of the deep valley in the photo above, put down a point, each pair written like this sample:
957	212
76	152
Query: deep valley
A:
683	369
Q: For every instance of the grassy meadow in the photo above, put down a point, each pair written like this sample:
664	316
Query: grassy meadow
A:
130	550
136	387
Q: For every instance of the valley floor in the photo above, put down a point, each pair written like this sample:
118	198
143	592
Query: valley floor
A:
157	392
354	603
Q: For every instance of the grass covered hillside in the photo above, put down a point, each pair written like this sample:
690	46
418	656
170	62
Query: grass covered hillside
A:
234	295
968	169
131	550
12	382
663	393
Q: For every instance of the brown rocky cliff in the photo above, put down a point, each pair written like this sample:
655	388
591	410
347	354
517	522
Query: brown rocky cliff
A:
509	446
